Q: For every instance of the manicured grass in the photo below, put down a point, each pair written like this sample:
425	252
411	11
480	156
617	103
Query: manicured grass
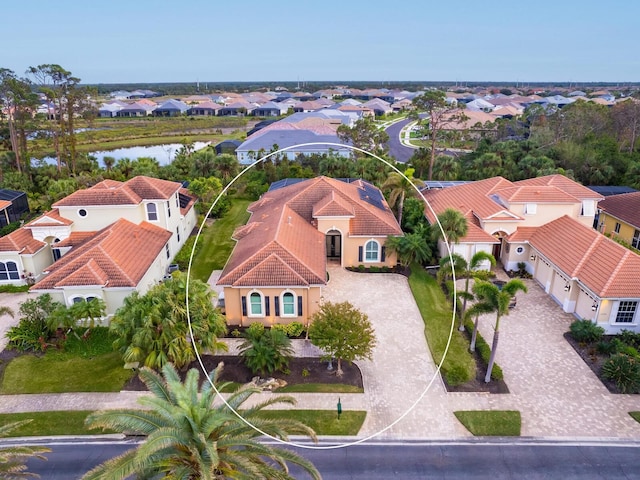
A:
51	423
83	366
496	423
216	243
635	416
31	374
320	388
325	422
459	366
14	288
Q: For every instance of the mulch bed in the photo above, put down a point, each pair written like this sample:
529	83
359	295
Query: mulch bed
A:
593	359
235	371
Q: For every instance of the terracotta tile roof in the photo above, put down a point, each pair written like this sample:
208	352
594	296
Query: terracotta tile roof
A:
74	239
332	206
20	241
566	184
51	218
606	268
131	192
536	193
280	230
123	251
625	206
522	234
475	233
4	204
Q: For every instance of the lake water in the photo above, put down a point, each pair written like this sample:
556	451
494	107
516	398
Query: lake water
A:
164	154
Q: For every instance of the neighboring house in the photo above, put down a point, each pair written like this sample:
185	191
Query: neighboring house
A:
545	224
137	109
227	146
619	217
108	110
277	269
105	233
237	108
171	108
13	205
270	109
379	106
205	109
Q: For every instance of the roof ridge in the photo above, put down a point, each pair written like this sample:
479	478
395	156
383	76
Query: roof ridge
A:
619	266
594	244
268	257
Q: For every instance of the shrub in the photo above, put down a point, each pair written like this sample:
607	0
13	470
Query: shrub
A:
28	335
374	269
585	331
483	348
361	268
386	269
280	326
267	351
14	288
295	329
236	333
255	329
624	371
305	373
607	348
630	338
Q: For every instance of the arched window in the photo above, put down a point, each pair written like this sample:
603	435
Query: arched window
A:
371	251
9	271
77	299
255	305
288	304
152	212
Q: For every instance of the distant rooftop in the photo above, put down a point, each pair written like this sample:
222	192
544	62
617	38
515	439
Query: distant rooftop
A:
608	190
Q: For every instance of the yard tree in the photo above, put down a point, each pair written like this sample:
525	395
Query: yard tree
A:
496	300
626	121
398	186
454	226
365	135
467	270
434	103
207	190
13	458
190	436
410	248
343	332
153	330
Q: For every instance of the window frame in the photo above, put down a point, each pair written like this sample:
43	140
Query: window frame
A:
635	241
283	304
616	229
626	308
366	251
152	209
10	274
250	304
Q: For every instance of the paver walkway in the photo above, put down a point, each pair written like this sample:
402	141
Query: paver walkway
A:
556	393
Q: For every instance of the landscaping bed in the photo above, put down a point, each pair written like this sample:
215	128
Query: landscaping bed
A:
478	384
302	370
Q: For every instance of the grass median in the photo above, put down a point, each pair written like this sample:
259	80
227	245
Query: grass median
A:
494	423
459	366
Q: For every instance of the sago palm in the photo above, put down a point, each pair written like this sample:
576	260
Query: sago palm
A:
190	438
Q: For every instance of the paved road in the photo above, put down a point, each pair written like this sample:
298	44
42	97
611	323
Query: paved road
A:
397	149
408	461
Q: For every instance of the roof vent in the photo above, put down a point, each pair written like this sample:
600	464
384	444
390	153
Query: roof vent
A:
289	219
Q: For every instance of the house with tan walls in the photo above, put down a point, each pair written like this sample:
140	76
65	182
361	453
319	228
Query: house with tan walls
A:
546	223
105	241
278	267
619	217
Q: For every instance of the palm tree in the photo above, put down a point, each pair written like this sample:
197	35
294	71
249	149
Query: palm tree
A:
398	187
410	248
468	270
266	351
477	309
190	438
497	299
454	225
12	459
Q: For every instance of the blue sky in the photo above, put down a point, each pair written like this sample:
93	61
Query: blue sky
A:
233	40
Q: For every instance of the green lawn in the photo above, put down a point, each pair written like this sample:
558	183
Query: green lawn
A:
324	422
216	242
50	423
635	416
497	423
459	366
320	388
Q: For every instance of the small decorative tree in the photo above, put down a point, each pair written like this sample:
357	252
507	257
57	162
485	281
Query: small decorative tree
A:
265	351
343	332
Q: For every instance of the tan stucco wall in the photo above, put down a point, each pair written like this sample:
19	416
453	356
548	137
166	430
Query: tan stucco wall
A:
311	298
510	256
609	223
465	250
99	217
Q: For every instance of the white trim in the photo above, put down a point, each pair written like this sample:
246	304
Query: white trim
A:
146	209
378	251
250	310
295	304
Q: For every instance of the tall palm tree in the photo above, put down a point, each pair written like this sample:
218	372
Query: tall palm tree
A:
454	224
468	270
12	459
398	188
497	300
190	438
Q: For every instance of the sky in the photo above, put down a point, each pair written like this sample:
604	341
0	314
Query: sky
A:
139	41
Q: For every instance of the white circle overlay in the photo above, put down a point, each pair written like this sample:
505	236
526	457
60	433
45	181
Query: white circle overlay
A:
444	356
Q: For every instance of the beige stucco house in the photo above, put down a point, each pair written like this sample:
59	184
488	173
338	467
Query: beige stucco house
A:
278	267
546	223
105	241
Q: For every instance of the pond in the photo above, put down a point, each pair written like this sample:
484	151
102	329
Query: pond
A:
164	154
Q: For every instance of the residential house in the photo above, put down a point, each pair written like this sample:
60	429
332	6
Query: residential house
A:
171	108
237	108
544	224
619	217
13	205
109	110
137	109
116	237
270	109
379	106
205	109
278	268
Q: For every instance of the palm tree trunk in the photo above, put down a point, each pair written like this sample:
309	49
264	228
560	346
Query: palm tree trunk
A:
472	347
464	305
494	347
400	207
